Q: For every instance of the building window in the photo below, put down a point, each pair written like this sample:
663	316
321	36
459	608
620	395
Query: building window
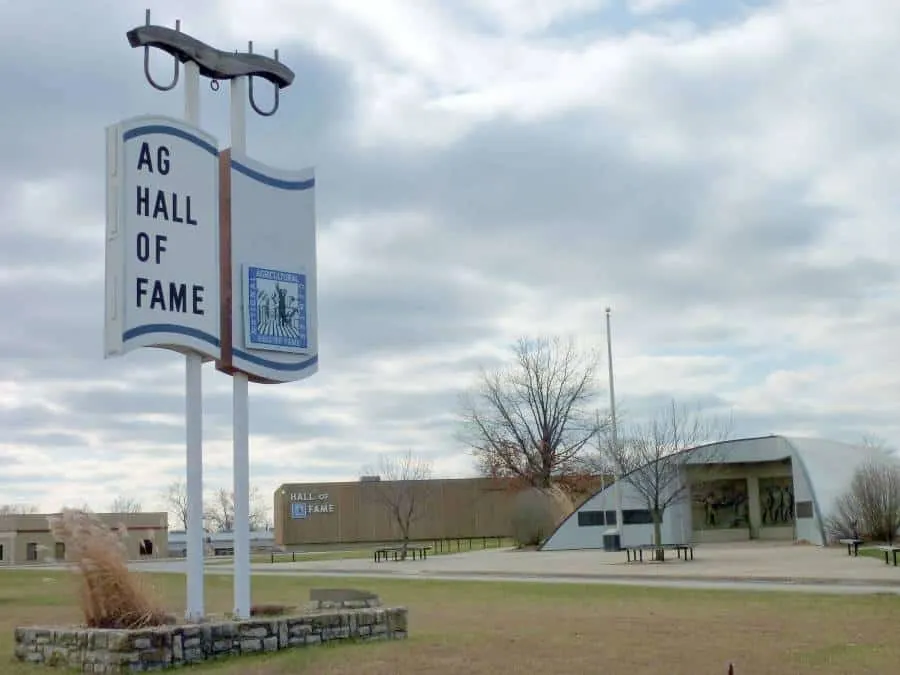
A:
31	552
596	518
60	551
146	547
804	509
591	518
636	517
1	552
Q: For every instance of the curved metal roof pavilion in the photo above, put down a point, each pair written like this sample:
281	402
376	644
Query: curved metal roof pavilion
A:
821	470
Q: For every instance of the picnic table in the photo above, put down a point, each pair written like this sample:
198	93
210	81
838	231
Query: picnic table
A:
395	552
852	545
888	550
636	553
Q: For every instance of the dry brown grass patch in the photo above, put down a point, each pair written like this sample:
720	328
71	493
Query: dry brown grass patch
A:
111	595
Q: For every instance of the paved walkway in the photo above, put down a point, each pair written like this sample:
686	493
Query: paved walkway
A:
754	562
755	565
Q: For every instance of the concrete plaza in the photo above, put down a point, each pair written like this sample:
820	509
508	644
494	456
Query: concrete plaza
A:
755	561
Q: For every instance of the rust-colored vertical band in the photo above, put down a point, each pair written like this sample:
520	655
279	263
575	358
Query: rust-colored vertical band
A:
225	286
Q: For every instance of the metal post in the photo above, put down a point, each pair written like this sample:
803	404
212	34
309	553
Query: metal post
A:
603	465
241	409
194	415
241	432
617	485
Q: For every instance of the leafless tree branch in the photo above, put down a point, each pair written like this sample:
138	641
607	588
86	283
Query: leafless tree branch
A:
175	496
125	505
871	507
651	456
219	511
532	420
17	509
401	490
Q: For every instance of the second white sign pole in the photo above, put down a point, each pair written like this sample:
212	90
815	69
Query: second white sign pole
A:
241	407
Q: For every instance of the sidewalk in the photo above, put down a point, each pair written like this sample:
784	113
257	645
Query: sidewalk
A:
765	563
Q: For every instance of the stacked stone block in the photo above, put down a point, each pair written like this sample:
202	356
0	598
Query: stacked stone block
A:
127	651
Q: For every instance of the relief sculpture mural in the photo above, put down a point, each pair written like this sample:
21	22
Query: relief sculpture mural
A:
776	501
720	504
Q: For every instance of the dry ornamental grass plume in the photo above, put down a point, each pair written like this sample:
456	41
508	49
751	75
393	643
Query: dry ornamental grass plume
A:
111	595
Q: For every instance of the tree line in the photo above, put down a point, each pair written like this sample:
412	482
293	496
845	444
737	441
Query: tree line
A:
218	511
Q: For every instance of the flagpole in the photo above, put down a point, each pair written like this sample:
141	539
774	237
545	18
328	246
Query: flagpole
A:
617	485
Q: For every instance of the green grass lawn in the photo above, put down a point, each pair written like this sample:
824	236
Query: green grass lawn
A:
486	628
873	552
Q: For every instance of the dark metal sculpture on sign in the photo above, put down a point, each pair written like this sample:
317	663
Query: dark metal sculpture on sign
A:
212	63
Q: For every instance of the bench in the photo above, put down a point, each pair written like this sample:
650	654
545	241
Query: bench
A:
684	548
636	553
380	554
852	545
395	552
888	550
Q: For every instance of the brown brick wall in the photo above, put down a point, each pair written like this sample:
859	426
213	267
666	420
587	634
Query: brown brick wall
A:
470	507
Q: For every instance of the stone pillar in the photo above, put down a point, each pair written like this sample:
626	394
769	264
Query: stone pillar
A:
753	507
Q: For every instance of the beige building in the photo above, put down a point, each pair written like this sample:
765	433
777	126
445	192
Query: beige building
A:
359	511
355	512
27	539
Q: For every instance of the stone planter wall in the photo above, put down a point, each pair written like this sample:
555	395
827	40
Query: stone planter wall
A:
127	651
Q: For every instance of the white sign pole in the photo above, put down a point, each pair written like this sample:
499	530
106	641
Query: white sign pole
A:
151	318
194	414
241	408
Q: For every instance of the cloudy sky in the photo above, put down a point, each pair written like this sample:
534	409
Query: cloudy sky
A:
723	174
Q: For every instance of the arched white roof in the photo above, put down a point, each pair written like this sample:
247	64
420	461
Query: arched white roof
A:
822	469
829	467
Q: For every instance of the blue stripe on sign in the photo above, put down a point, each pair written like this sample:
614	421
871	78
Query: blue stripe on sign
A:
169	131
149	328
275	365
274	182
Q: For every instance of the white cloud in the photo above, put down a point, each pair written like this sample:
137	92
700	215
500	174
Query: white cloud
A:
646	7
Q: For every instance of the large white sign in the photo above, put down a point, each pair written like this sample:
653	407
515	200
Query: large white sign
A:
272	232
162	237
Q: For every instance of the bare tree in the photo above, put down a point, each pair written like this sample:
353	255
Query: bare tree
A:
220	511
175	497
84	507
17	509
401	490
125	505
651	457
878	444
871	506
533	419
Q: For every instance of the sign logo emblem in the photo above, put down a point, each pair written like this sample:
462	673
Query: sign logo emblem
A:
276	310
298	510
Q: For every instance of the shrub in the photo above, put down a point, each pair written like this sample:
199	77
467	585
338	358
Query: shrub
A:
111	595
536	513
871	506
